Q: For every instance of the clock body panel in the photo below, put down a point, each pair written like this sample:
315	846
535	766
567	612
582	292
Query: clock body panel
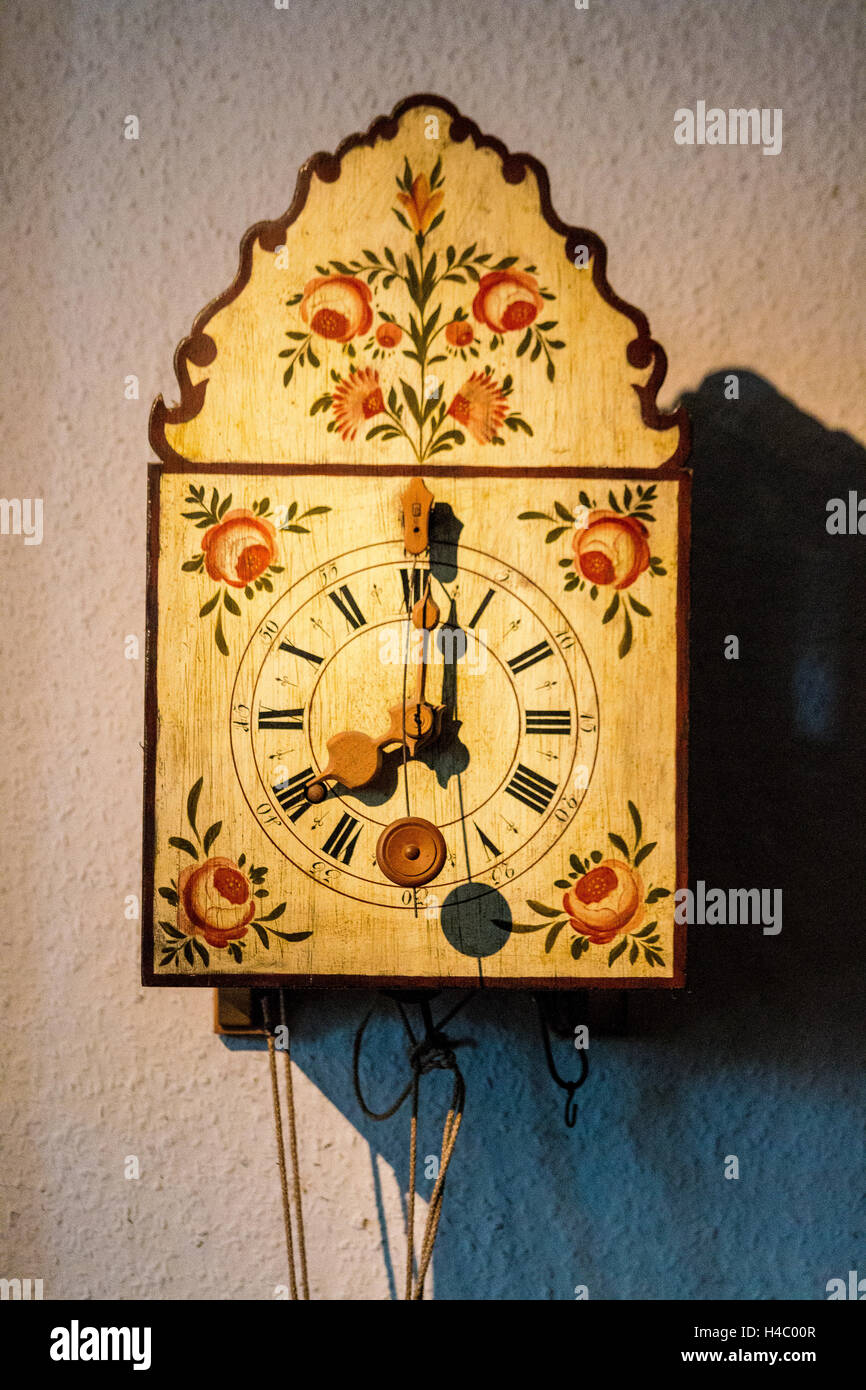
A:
557	778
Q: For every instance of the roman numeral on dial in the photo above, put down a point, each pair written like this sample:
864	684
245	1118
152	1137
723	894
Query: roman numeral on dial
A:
479	612
413	582
548	721
531	788
530	657
342	840
348	607
281	718
299	651
290	794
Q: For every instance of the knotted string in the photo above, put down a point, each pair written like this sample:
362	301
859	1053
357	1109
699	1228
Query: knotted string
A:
433	1052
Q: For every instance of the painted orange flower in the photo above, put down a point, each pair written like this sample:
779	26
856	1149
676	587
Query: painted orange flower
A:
459	333
357	398
479	407
337	307
216	901
605	902
421	205
388	335
507	300
612	549
239	548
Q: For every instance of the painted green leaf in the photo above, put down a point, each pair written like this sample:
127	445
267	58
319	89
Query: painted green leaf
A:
542	910
611	609
555	534
224	506
633	953
583	499
628	632
230	604
188	955
561	883
645	931
627	497
563	512
192	564
534	516
596	856
617	951
638	826
657	893
272	916
178	842
172	931
639	607
550	939
202	950
619	843
219	638
642	853
524	342
192	803
412	401
211	603
292	935
170	895
261	934
211	834
576	864
613	502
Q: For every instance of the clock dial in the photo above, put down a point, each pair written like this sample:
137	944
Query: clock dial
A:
504	776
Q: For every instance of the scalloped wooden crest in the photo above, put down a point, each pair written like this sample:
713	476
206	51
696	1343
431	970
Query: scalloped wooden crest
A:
571	360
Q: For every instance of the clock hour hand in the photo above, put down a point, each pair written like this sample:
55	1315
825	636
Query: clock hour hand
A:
355	758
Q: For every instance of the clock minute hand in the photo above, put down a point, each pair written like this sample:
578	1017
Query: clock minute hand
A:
355	758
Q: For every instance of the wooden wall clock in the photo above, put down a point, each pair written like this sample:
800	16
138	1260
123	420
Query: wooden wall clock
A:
417	613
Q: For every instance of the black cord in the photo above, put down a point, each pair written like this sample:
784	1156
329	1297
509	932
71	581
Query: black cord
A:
568	1086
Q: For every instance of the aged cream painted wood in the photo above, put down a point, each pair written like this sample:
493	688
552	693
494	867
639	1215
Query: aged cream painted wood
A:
590	415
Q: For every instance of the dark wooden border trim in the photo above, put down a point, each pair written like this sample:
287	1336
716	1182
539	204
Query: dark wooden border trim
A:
643	351
273	981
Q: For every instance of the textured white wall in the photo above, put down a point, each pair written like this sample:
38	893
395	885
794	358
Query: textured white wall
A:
111	247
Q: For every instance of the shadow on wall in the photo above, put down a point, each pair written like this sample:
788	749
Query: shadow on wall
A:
762	1056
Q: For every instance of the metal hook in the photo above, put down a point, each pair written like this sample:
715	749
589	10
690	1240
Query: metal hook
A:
569	1087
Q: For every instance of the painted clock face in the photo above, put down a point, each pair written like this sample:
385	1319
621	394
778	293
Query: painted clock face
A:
505	776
